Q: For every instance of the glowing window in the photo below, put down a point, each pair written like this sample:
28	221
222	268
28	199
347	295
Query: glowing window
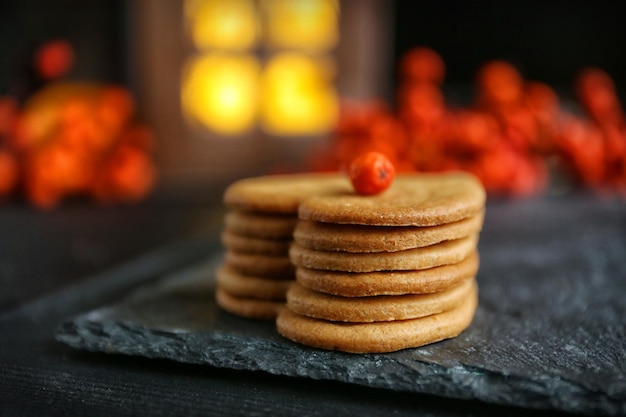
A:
301	24
220	92
229	89
298	97
223	24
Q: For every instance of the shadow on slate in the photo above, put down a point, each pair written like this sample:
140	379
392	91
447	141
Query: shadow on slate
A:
549	332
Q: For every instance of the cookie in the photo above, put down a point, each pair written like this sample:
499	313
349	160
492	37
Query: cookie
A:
260	225
310	303
248	307
377	337
253	245
444	253
241	285
411	200
282	193
360	238
275	267
424	281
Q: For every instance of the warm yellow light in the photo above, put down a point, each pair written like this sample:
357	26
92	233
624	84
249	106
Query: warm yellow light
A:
220	91
298	96
227	24
301	24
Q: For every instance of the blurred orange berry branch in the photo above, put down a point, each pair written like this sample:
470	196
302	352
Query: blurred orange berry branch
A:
507	137
71	138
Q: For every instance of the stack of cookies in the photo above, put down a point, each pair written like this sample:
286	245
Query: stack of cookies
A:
386	272
258	227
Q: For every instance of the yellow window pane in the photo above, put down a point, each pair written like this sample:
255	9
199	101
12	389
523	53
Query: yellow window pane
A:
301	24
298	97
226	24
220	92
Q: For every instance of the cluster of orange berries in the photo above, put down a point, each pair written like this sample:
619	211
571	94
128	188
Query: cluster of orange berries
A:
509	137
74	139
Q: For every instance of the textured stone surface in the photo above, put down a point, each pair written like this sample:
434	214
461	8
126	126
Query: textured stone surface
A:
549	331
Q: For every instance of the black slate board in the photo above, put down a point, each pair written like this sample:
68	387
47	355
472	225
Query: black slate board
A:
549	331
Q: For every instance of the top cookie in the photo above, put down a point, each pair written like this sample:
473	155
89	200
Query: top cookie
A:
282	193
412	200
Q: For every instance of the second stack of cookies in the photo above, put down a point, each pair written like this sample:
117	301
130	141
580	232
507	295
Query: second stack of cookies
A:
256	273
258	226
366	282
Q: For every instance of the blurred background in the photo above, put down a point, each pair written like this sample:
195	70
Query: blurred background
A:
118	99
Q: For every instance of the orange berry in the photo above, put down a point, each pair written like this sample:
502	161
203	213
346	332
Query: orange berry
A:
422	65
54	59
500	84
541	98
127	176
475	130
63	167
371	173
592	79
139	136
422	104
519	127
115	107
596	91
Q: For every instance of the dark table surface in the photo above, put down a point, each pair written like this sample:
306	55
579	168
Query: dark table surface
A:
58	264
